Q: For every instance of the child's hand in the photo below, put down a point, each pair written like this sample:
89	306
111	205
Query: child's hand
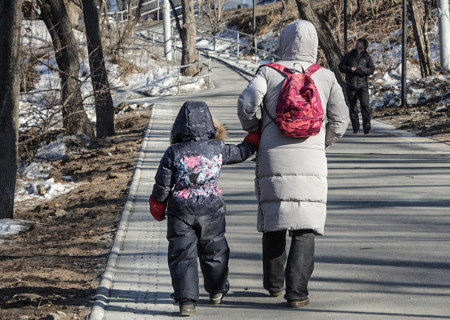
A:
157	209
253	137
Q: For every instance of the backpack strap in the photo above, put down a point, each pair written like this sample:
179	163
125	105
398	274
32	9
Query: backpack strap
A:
286	71
279	67
269	115
312	68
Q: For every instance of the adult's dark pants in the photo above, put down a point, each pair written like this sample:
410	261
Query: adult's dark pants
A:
361	94
299	266
203	236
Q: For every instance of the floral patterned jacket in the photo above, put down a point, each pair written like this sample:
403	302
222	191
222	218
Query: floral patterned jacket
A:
189	171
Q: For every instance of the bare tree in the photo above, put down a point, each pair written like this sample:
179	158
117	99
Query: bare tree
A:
188	34
131	23
54	14
360	7
102	94
420	28
336	9
10	11
214	11
326	39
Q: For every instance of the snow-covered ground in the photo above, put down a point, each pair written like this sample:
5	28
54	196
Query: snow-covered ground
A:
147	77
387	55
386	83
40	106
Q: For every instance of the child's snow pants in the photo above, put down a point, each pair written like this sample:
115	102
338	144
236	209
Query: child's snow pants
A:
202	235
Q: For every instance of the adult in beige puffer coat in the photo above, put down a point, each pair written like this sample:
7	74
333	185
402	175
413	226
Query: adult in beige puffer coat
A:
291	174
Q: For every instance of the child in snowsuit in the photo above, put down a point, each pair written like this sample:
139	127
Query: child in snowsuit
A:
187	183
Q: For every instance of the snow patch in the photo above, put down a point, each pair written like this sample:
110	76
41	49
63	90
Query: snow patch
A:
42	189
10	227
56	150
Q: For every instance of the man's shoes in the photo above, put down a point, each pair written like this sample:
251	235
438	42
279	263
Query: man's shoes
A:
275	293
298	303
367	128
187	309
355	130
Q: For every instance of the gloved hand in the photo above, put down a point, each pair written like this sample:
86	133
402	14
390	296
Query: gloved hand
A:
157	209
253	137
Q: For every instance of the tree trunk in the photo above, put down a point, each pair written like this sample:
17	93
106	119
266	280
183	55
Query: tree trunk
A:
188	38
326	39
421	39
103	9
427	5
104	108
177	18
11	13
75	120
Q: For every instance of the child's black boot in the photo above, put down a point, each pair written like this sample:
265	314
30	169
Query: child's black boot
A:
187	308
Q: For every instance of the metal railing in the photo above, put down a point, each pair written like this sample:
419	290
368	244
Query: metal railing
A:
199	63
160	40
146	9
157	38
237	41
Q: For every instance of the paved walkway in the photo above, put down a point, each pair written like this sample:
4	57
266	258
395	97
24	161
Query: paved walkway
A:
385	254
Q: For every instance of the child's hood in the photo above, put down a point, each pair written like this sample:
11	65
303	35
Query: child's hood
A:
193	122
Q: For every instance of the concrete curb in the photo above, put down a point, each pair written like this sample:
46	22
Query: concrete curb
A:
102	295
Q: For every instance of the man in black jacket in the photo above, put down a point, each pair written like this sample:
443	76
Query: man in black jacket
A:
358	66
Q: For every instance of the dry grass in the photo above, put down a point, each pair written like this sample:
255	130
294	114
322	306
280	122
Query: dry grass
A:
268	17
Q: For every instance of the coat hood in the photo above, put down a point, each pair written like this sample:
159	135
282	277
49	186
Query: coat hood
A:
193	122
298	41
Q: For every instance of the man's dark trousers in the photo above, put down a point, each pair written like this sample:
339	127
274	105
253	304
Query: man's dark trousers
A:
299	266
361	94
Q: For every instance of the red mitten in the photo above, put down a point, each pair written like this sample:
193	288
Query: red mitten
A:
253	138
157	209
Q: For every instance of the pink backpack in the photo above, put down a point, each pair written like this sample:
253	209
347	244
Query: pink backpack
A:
299	110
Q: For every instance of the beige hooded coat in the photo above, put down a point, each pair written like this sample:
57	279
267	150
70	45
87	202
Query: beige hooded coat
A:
291	173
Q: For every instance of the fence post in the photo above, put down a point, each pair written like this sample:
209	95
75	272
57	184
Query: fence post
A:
153	42
157	11
209	72
255	41
179	80
214	35
174	41
167	31
237	53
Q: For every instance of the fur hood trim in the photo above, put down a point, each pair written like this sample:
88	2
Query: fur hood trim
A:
221	129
